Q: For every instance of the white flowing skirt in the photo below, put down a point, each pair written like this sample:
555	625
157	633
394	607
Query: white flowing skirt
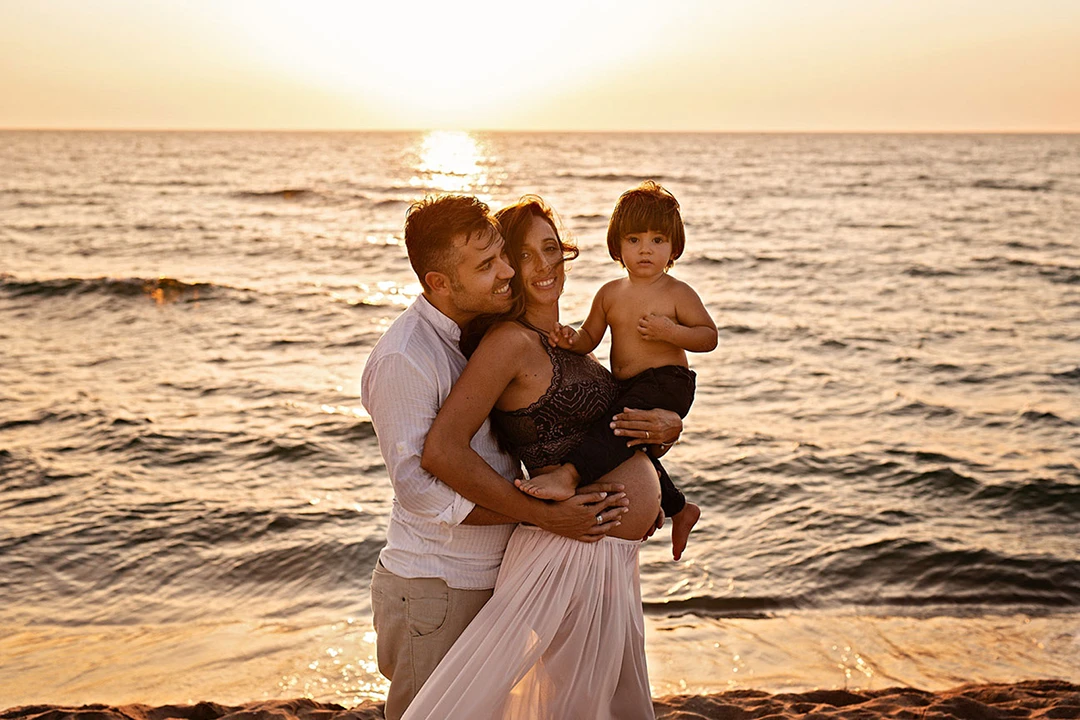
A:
562	637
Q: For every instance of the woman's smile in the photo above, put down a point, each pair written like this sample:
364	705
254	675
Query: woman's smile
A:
546	283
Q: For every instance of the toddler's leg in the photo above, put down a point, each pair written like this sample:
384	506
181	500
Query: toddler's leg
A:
681	525
672	501
559	484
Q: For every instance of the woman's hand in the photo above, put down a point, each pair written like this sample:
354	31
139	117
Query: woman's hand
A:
648	427
588	516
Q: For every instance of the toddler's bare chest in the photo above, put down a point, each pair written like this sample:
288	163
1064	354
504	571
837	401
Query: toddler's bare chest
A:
627	309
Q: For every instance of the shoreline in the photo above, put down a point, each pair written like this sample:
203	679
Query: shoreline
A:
234	662
1026	699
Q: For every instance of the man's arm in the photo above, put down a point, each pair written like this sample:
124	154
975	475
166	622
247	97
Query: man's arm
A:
403	401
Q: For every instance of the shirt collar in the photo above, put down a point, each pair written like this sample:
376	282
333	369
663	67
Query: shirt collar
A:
444	326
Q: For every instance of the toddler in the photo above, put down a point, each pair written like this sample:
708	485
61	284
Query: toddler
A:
654	319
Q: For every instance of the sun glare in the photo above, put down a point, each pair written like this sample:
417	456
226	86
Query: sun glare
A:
450	161
429	64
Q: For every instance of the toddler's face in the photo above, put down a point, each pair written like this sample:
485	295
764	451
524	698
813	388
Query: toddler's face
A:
645	254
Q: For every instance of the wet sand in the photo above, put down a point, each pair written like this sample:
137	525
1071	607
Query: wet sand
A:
1028	699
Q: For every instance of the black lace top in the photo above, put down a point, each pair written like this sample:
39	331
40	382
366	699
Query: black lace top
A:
543	433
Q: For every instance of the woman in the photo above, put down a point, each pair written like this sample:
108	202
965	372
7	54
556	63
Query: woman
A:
563	635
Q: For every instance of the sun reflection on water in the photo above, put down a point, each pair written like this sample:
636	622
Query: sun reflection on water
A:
452	161
346	673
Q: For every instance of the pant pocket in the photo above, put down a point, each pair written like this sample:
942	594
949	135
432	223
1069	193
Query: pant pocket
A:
426	610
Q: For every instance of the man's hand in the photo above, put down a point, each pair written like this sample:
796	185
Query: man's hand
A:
648	427
656	526
655	327
588	516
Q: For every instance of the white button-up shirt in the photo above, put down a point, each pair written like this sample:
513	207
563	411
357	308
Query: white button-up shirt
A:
406	379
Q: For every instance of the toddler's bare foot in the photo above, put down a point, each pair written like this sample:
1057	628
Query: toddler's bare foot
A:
559	484
681	525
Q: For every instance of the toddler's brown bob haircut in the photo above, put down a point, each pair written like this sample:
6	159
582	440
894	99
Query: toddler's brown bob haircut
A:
646	207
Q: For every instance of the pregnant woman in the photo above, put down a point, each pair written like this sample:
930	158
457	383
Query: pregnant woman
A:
563	634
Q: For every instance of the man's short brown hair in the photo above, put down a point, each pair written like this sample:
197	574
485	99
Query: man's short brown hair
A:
431	225
646	207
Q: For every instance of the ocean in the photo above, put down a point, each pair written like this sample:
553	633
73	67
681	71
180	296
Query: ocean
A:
885	445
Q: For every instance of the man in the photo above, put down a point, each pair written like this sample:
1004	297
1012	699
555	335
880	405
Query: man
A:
443	551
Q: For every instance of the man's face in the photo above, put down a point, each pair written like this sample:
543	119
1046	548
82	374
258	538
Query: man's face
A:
480	283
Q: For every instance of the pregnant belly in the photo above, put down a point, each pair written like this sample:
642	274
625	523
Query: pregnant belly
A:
642	487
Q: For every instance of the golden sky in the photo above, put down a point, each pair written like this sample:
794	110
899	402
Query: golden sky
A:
714	65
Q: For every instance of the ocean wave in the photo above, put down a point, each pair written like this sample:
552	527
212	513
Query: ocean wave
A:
925	456
741	607
160	183
1055	272
20	471
609	177
163	288
877	226
904	571
998	260
995	184
325	563
1073	374
924	271
152	447
279	450
1035	417
282	194
904	406
945	368
939	482
1041	495
707	259
353	429
1062	274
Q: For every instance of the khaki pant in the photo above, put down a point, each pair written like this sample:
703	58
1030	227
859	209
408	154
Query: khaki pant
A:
417	620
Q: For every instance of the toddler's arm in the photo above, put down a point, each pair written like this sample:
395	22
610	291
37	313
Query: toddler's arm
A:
692	329
584	340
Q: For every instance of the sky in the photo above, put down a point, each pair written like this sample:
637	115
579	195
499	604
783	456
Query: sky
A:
656	65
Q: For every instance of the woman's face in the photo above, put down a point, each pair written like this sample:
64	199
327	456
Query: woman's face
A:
541	261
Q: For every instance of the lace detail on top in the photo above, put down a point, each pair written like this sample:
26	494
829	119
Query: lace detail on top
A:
543	433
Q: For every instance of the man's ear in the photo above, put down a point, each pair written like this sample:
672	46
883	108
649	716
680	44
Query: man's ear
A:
438	282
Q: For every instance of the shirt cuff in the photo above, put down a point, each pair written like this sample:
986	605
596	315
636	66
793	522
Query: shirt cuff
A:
456	512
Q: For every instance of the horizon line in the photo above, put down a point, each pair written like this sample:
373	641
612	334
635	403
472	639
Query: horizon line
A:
1002	131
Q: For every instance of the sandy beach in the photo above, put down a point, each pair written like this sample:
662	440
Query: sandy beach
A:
1028	699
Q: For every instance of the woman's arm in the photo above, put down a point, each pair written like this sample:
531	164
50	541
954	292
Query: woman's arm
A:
448	455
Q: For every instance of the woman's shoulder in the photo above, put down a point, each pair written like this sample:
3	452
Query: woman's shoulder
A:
508	334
